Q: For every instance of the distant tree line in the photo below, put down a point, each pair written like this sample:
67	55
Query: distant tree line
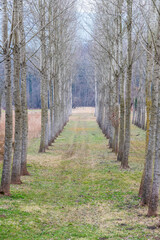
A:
83	85
83	82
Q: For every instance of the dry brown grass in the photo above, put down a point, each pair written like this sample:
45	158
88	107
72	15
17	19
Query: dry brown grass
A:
83	110
34	127
2	129
34	124
83	113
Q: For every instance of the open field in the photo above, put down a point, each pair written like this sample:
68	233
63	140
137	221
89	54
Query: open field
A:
77	189
34	123
34	130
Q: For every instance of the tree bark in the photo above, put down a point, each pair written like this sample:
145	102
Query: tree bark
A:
124	162
6	173
154	198
24	170
151	196
44	82
16	168
0	106
146	188
148	103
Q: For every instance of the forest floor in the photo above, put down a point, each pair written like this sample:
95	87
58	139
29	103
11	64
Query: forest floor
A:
77	190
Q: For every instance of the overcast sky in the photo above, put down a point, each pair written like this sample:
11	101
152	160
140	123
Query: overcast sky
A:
85	6
85	9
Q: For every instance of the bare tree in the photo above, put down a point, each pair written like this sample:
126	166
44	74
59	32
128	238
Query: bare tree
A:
16	168
124	162
147	182
23	92
6	174
154	191
44	80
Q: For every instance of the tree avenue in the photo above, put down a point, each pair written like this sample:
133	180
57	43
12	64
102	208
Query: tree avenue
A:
126	58
119	62
52	58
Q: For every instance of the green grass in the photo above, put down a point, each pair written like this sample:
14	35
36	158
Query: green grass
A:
78	191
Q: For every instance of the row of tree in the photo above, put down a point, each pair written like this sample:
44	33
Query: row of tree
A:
40	33
126	56
126	53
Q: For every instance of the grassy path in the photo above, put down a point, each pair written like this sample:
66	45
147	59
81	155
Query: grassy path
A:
77	190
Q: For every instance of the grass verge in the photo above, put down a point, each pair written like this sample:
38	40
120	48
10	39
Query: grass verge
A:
78	191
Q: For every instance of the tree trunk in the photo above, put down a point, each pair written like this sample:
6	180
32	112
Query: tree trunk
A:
0	105
16	168
124	162
51	83
154	198
122	106
148	104
122	118
6	173
146	188
111	129
44	82
24	170
56	106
